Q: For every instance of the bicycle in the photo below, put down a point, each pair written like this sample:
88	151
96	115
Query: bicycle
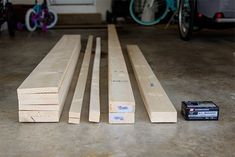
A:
40	16
157	10
7	15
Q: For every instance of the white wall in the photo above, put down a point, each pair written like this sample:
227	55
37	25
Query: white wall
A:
101	6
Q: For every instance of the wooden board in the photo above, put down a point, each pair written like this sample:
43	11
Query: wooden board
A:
47	77
158	105
76	106
38	98
39	107
39	116
123	118
38	101
94	110
120	90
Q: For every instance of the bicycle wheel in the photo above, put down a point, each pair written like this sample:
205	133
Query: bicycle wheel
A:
51	19
30	20
186	18
161	8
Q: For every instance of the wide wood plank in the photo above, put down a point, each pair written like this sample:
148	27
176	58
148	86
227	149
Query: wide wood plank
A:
158	105
39	116
94	110
39	107
49	74
76	106
121	98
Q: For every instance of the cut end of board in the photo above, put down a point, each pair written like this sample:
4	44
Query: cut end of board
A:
39	116
94	117
121	118
74	114
74	120
163	117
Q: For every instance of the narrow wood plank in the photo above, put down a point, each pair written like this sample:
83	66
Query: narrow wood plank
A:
157	103
94	110
76	106
121	98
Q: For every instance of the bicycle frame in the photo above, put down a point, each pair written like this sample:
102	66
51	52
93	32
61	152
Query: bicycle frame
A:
38	8
173	4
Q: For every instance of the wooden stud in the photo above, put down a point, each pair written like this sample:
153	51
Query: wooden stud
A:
121	98
76	106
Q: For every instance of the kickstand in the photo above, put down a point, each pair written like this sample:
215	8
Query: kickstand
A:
171	19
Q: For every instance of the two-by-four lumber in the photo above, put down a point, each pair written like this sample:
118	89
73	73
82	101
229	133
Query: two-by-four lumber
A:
121	98
94	110
76	105
158	105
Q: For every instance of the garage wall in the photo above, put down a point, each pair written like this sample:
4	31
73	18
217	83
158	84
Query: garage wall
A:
100	7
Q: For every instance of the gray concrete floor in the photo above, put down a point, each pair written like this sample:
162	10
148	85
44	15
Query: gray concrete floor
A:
202	69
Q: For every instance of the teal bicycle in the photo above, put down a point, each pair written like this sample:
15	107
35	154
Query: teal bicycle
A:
156	10
151	12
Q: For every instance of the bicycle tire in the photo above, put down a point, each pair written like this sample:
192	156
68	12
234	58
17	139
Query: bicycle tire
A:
185	26
155	21
30	25
55	16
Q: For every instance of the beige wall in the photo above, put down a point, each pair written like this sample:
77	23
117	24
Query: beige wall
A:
100	7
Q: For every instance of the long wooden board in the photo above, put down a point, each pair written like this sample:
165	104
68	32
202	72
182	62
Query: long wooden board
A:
158	105
121	98
76	106
94	110
48	76
51	98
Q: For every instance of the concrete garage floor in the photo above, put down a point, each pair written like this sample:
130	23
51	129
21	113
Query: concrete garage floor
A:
202	69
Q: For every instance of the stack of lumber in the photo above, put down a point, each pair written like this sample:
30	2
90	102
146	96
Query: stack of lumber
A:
76	106
42	94
94	110
158	105
121	98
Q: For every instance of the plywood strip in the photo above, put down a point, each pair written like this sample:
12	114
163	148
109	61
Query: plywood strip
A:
121	98
76	106
94	110
158	105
